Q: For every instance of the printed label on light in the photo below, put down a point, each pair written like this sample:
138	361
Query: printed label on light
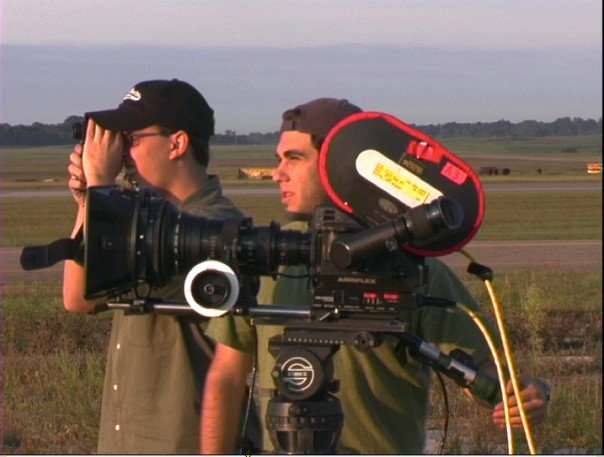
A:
397	181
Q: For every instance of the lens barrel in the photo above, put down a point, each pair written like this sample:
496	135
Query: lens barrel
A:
148	240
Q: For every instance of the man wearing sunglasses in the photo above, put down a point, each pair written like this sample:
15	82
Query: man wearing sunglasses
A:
156	363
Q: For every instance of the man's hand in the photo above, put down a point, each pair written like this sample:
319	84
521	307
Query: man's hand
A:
534	396
77	180
103	155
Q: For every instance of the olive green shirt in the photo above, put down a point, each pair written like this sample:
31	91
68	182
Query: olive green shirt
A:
156	365
384	401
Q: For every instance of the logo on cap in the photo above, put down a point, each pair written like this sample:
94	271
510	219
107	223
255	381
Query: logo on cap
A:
133	95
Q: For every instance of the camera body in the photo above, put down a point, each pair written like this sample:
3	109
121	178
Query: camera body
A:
375	285
133	238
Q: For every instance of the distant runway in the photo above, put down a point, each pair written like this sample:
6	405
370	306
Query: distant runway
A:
273	190
561	255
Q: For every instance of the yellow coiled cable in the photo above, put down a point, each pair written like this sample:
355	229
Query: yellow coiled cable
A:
510	363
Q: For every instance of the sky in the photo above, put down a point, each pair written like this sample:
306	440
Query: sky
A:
423	61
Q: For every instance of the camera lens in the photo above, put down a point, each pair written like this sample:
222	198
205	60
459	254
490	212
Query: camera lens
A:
154	241
212	289
426	221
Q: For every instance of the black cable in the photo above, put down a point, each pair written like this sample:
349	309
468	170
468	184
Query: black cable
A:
246	446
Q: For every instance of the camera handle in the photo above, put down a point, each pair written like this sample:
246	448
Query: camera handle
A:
148	305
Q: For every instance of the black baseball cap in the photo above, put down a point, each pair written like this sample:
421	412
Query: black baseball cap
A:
172	104
318	117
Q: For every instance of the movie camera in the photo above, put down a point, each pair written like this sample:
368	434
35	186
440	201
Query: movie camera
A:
395	193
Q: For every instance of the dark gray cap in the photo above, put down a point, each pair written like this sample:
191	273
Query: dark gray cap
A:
318	117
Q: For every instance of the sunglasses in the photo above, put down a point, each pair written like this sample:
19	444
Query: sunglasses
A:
133	139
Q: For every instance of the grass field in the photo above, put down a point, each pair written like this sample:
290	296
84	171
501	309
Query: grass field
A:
552	215
53	362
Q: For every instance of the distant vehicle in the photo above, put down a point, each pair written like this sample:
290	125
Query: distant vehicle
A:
490	171
594	168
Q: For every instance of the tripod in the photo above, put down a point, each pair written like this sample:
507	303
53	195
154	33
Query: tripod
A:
303	415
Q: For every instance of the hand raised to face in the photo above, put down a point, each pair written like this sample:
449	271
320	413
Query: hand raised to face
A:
77	180
102	158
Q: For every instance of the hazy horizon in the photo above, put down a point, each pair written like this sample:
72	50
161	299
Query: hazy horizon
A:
425	62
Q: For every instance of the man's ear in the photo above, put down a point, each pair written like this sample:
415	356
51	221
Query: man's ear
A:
179	144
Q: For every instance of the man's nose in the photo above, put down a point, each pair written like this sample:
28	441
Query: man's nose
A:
279	173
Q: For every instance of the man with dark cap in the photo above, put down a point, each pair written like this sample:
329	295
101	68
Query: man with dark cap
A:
384	398
156	363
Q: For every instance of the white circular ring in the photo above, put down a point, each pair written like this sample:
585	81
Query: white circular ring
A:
212	265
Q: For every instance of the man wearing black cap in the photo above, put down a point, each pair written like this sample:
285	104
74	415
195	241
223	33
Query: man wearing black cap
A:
156	363
384	400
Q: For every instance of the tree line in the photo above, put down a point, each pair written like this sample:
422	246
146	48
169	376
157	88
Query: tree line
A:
38	134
